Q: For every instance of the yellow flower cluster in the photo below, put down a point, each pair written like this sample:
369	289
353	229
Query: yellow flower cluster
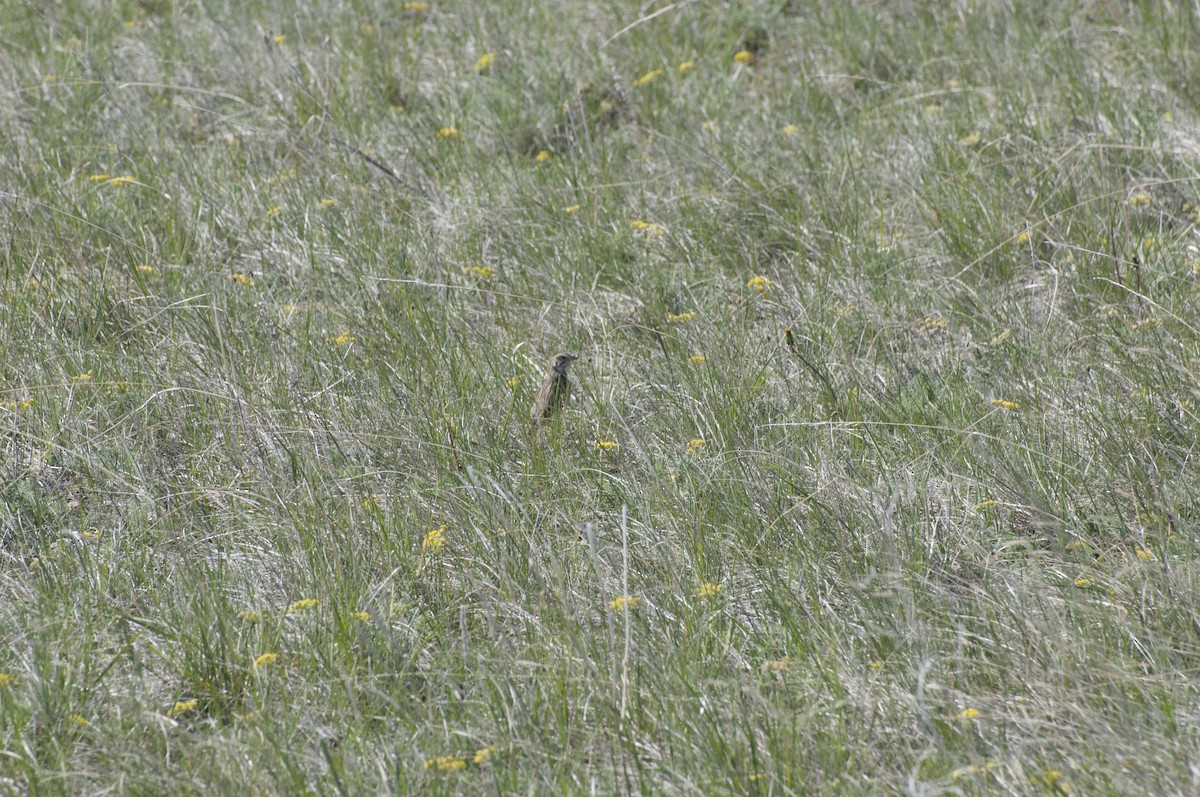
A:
695	444
182	707
1008	405
445	763
708	590
606	445
653	229
624	602
675	318
304	604
435	540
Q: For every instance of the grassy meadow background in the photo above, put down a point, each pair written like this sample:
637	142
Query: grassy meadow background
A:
880	475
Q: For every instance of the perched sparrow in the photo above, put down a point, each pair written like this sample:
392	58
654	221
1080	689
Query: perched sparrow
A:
555	389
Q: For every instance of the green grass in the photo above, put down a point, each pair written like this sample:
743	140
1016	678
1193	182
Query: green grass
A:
950	516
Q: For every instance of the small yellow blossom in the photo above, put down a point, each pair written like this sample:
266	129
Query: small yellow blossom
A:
99	178
624	602
649	77
123	181
542	156
5	679
1083	582
1144	555
932	323
985	505
1008	405
274	211
484	272
569	209
649	227
482	755
513	381
675	318
1022	237
304	604
362	617
876	665
445	763
265	659
1138	199
1152	321
968	714
415	8
327	202
759	284
281	38
1051	778
130	24
83	377
686	66
182	707
484	62
250	615
147	269
78	720
695	444
697	358
708	590
743	56
435	540
448	132
17	405
606	445
241	279
790	130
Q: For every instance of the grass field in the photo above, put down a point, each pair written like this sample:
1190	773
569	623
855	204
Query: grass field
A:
880	474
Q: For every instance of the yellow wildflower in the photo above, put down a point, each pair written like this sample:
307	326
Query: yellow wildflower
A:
78	720
123	181
743	56
777	665
1138	199
649	227
435	540
876	665
83	377
675	318
99	178
789	130
445	763
484	62
304	604
986	504
624	602
695	444
759	284
606	445
265	659
1083	582
513	381
415	8
569	209
686	66
241	279
482	755
708	590
542	156
968	714
5	679
483	272
281	38
448	132
182	707
362	617
274	211
1144	555
147	269
1008	405
649	77
327	203
697	358
250	615
1022	237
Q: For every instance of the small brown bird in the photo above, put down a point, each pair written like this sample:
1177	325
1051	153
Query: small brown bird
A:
555	389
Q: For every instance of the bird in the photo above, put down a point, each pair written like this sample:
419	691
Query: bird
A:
555	389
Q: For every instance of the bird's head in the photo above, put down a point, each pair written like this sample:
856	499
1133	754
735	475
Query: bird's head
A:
561	361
